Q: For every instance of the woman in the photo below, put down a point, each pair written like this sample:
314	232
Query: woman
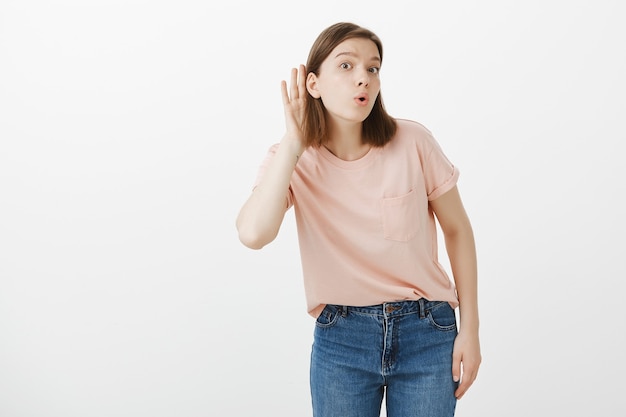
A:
366	189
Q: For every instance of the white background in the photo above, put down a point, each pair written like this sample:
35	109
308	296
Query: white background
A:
131	132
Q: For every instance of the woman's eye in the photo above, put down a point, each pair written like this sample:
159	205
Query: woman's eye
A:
345	65
374	70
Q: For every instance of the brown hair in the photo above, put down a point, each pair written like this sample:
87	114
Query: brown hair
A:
379	127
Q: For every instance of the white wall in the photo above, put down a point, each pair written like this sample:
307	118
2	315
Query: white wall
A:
131	132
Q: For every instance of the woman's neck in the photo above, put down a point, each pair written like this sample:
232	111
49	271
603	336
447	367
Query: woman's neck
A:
346	143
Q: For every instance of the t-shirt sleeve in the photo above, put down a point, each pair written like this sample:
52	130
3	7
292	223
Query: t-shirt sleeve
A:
263	167
440	174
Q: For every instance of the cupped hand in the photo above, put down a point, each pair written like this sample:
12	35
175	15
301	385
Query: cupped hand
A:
294	100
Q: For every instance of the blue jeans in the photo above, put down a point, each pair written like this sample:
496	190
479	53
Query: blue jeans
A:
400	350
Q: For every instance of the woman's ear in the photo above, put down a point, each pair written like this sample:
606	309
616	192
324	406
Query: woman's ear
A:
311	85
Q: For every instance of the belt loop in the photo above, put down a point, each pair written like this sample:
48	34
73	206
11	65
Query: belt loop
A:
421	306
344	311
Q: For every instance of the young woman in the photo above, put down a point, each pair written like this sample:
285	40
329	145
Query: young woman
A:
366	189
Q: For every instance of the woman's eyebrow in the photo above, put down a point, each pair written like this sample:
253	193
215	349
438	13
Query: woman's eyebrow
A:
352	54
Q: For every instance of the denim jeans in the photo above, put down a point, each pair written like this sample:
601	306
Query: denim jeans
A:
399	350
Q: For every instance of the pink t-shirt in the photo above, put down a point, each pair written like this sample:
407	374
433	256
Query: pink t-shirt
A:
366	232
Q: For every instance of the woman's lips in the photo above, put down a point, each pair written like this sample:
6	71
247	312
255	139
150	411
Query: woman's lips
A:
362	99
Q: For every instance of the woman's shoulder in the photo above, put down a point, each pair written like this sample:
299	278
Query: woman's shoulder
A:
411	128
413	132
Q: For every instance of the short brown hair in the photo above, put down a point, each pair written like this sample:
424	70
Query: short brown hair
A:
379	127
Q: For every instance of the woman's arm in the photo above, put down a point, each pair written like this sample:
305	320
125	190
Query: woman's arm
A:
461	249
262	214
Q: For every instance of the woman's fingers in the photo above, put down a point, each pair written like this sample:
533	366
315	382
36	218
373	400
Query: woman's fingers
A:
302	81
468	378
466	360
297	85
294	98
284	93
294	84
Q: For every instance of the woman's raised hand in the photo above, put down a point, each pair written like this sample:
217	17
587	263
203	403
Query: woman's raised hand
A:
294	101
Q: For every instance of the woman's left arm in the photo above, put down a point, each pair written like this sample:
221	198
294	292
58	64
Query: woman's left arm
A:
461	249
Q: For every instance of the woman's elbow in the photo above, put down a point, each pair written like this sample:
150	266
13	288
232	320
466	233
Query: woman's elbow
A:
253	240
253	232
251	243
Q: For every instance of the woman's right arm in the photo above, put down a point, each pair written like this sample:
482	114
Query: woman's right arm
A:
262	214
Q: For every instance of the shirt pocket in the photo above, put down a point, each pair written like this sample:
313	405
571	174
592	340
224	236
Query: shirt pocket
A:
400	217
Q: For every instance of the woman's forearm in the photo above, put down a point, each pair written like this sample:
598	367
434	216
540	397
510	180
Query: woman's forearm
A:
461	250
260	217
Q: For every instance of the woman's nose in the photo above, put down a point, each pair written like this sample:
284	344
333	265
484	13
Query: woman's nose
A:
363	79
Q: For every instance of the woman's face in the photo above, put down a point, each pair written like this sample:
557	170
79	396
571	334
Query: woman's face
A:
348	82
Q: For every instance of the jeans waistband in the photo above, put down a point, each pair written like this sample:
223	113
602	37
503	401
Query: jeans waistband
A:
394	308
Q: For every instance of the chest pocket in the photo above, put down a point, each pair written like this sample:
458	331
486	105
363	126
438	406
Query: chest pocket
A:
400	217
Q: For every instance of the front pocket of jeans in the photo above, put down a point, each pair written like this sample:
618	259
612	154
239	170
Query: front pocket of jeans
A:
328	317
400	217
442	317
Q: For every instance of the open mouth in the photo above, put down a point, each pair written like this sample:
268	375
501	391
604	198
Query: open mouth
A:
361	99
